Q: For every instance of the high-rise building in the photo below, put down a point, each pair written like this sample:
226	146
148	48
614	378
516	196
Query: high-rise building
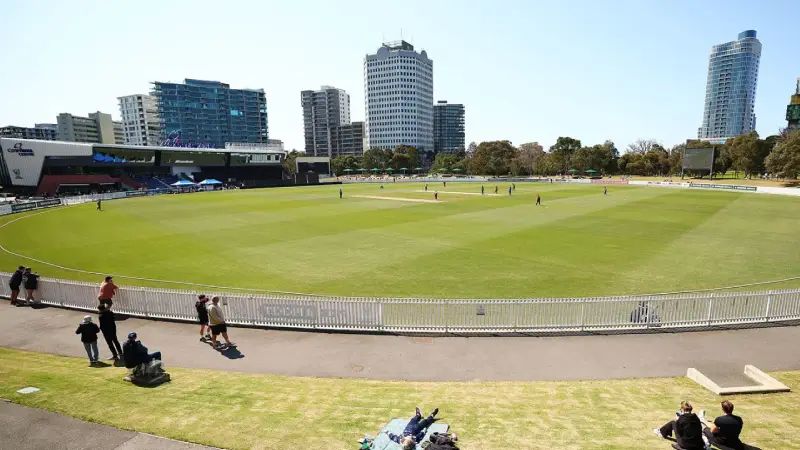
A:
198	113
97	128
119	132
731	88
448	127
348	139
398	87
41	131
140	121
793	110
323	111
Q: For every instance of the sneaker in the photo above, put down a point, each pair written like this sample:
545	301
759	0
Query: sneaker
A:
203	338
112	358
657	432
230	344
435	412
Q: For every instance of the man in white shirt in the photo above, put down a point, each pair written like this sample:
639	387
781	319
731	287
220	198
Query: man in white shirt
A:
217	321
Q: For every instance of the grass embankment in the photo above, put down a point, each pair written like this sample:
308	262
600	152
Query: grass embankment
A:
235	410
305	239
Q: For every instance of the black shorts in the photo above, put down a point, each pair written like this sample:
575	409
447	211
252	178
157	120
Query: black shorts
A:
203	320
14	288
105	301
217	329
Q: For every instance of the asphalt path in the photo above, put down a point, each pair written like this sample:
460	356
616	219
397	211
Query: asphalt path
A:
721	354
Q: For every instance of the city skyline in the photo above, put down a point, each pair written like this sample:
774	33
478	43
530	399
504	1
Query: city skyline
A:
532	73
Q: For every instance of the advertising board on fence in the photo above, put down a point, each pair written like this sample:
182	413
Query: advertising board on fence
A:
730	187
5	209
362	314
19	207
610	181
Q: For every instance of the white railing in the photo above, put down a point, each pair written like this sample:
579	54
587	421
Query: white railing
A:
546	315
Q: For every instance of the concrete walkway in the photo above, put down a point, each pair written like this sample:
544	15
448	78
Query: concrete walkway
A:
24	428
716	353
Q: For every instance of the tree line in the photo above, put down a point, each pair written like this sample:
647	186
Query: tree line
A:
777	155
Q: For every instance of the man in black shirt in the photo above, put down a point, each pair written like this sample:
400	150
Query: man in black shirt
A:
108	326
14	283
687	428
726	428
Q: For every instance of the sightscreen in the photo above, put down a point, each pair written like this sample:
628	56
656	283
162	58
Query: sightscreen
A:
698	159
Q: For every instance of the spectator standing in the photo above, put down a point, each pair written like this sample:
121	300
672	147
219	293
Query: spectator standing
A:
538	199
108	326
15	282
99	204
201	305
88	331
217	320
107	291
727	428
31	282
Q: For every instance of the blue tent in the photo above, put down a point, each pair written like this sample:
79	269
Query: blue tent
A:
209	181
182	183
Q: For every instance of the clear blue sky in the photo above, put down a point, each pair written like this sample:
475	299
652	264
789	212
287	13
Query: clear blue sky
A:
526	71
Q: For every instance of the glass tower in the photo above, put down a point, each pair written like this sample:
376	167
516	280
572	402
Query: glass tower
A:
200	113
731	88
448	127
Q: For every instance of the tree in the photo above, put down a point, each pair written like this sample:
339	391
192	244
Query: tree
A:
341	163
562	151
289	163
376	158
784	160
446	162
472	148
676	159
607	155
404	156
528	157
743	152
642	146
492	158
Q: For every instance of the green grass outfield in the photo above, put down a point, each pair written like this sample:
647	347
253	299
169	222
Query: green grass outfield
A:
305	239
235	410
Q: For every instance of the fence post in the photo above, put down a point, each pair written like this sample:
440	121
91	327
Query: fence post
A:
769	305
710	303
316	319
583	312
146	303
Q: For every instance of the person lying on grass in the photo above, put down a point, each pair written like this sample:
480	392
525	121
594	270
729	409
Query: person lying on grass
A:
415	430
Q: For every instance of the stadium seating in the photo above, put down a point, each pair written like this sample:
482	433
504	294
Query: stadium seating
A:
51	183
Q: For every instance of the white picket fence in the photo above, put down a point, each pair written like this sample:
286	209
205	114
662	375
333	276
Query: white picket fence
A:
484	316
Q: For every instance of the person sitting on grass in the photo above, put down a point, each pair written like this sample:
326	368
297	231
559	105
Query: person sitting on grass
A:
726	429
135	353
687	428
415	430
443	441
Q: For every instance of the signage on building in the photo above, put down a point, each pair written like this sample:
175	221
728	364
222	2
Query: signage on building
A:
20	150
